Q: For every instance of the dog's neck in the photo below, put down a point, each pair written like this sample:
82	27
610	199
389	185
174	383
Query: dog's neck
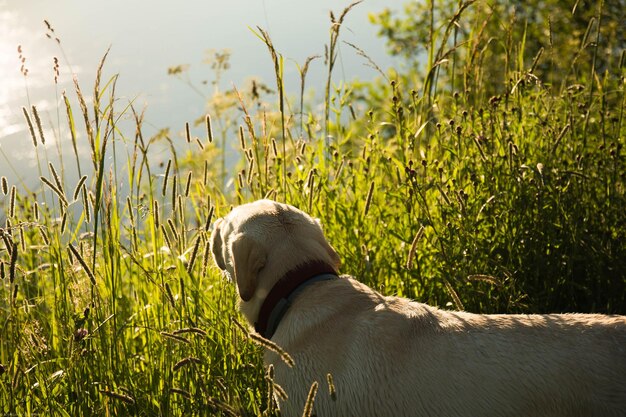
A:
284	292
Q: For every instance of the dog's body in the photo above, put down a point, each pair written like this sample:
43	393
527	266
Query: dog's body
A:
389	356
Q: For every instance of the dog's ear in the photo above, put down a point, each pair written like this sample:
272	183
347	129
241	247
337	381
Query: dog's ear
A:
248	259
216	245
328	248
333	254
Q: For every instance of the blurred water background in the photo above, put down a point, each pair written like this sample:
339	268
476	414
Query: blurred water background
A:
146	39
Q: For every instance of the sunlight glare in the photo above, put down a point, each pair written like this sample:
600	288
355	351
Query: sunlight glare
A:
10	75
11	80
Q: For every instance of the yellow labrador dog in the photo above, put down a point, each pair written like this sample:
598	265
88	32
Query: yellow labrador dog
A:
389	356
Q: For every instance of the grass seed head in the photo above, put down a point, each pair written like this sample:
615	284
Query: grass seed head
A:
195	330
166	177
117	396
12	201
78	187
209	129
268	344
331	387
183	393
186	361
31	129
39	125
155	213
410	257
82	263
188	183
310	400
175	337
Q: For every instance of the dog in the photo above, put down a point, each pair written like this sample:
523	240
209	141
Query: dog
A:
375	355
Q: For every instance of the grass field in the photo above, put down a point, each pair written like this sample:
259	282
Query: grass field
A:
427	187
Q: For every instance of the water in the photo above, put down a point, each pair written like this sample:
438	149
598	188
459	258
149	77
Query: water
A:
148	37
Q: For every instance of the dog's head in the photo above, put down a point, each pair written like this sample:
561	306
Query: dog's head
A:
257	243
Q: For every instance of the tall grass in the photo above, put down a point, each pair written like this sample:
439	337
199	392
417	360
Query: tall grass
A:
110	304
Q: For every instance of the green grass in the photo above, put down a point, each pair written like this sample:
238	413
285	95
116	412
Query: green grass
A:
110	303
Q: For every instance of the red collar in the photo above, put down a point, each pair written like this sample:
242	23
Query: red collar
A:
284	291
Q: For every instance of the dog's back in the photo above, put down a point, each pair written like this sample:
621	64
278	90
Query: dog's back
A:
435	362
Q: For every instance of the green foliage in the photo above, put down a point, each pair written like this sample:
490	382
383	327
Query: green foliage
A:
110	305
487	40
